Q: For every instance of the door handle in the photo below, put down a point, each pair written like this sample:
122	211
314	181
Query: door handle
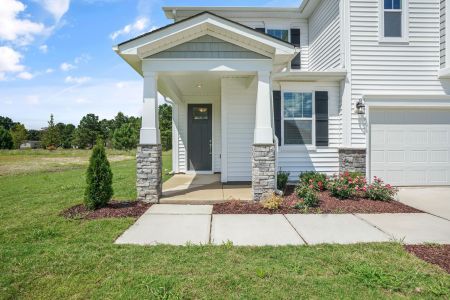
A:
210	147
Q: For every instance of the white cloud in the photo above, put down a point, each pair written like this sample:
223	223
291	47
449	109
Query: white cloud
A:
25	75
66	67
83	58
56	7
9	61
81	100
43	48
138	26
76	80
49	70
15	29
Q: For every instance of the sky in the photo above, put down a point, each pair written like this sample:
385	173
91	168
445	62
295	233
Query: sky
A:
56	56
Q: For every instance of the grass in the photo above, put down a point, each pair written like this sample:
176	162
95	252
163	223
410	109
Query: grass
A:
44	256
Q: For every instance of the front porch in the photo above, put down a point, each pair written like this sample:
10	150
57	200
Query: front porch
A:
202	189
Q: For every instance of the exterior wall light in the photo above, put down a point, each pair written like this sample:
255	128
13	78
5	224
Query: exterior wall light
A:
360	107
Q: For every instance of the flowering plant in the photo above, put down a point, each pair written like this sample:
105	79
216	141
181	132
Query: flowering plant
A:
317	180
346	185
380	191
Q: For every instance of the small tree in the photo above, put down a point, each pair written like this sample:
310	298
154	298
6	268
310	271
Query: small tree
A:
50	136
98	178
6	141
19	134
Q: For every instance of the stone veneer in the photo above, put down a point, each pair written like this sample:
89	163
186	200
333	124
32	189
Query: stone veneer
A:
352	160
149	173
263	171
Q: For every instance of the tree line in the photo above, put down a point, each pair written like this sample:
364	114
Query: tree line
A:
121	132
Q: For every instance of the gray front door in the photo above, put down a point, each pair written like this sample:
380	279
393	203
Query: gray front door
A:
200	137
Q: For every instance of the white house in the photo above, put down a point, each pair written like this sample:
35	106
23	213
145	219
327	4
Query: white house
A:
329	86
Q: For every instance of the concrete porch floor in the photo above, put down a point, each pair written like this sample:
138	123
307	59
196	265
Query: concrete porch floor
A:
202	189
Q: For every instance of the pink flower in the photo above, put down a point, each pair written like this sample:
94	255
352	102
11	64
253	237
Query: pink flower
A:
310	181
311	186
357	188
364	189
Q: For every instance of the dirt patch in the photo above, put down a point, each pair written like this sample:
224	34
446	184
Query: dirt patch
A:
327	205
435	254
114	209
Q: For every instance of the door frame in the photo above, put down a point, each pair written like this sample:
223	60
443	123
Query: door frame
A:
186	106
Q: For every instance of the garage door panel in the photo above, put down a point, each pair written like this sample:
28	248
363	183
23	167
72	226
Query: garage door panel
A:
412	148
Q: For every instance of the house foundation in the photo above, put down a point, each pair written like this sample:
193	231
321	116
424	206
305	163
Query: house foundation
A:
263	171
149	173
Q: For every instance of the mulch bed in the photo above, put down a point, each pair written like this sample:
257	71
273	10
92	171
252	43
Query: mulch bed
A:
435	254
114	209
327	205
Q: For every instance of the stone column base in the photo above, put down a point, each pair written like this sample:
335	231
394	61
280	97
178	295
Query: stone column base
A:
149	173
352	160
263	171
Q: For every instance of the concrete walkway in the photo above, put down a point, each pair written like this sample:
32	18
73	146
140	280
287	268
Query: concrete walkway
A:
433	200
195	224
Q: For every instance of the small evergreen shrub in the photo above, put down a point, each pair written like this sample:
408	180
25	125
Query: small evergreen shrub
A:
272	202
98	178
346	185
318	180
282	179
379	191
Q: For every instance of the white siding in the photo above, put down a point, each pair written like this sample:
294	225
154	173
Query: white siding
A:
393	68
238	113
297	159
443	33
181	125
324	37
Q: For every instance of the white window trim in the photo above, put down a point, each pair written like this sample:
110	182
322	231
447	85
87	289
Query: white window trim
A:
313	119
405	24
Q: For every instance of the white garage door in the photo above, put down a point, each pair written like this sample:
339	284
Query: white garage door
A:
410	146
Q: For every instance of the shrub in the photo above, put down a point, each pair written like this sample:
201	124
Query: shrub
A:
379	191
318	180
308	194
6	141
272	202
98	178
346	185
282	179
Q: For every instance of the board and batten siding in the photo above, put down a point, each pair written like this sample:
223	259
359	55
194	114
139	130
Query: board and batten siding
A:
238	114
393	68
298	159
325	37
181	132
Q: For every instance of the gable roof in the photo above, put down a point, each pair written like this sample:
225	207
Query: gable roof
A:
200	14
133	51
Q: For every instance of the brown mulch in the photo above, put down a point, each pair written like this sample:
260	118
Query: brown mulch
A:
435	254
327	205
114	209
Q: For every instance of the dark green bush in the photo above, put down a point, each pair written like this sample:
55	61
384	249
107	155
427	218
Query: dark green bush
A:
282	179
317	180
98	178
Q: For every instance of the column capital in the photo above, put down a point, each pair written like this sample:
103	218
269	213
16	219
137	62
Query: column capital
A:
149	74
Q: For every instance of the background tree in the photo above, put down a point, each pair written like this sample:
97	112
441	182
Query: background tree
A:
18	134
88	131
34	135
50	136
165	126
6	141
126	137
66	136
6	123
98	178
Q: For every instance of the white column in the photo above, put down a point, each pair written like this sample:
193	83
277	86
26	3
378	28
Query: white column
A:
263	122
150	121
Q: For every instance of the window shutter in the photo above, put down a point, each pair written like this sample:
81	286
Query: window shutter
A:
321	118
295	40
277	114
262	30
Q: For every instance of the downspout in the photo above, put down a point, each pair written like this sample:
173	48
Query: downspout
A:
275	139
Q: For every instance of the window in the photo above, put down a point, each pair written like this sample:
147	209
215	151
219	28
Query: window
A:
393	16
282	34
297	118
200	113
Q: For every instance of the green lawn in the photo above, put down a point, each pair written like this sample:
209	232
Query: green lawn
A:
45	256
